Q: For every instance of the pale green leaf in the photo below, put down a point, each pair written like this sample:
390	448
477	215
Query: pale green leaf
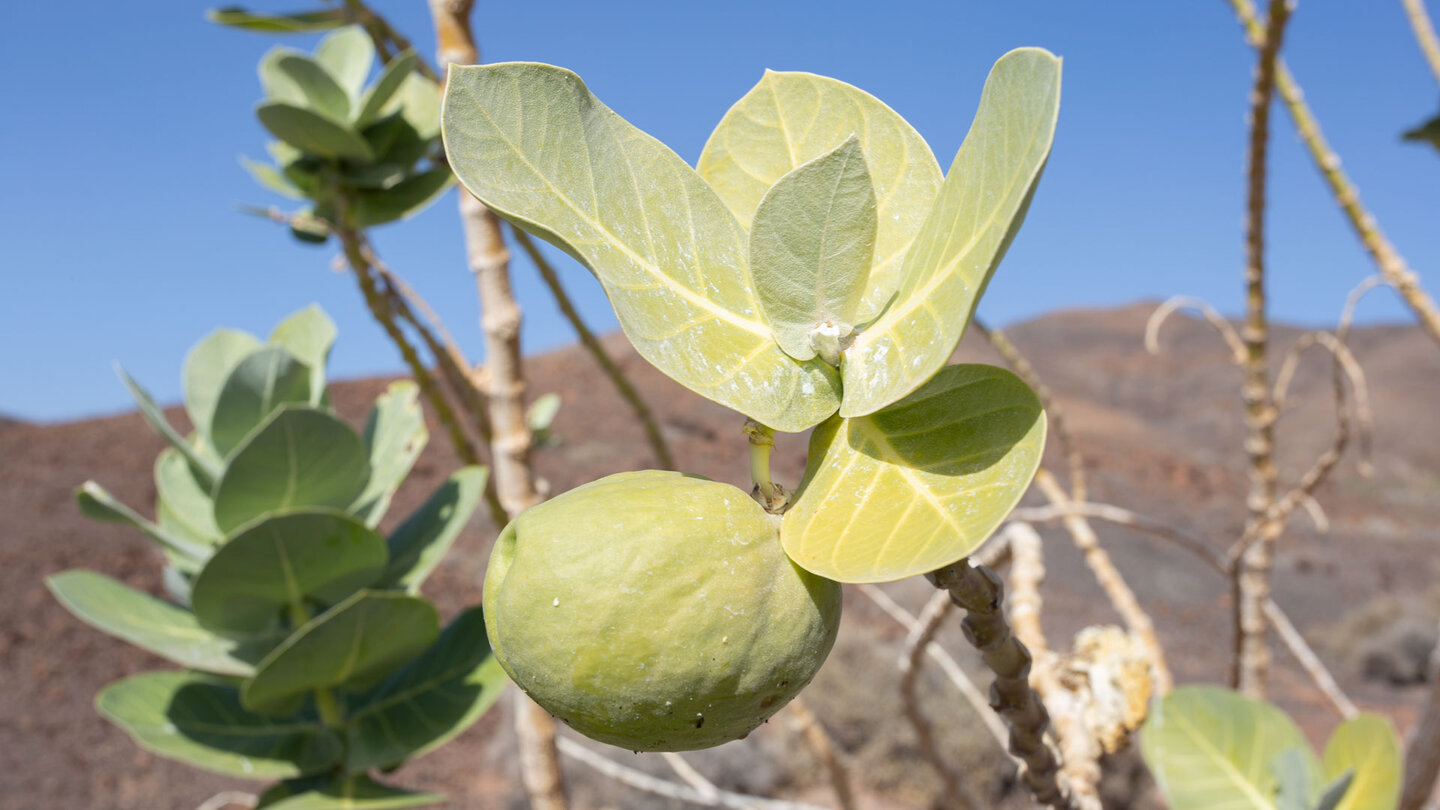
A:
298	22
432	699
311	132
978	211
542	412
150	624
1334	793
182	499
533	143
920	484
1211	749
1367	746
258	385
299	458
394	436
271	178
198	719
205	467
419	104
207	365
354	792
281	563
391	79
347	54
278	84
98	504
367	635
1297	783
322	93
308	335
810	249
792	118
419	544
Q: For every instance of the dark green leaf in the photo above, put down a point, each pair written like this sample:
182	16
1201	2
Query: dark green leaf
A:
301	457
150	624
1334	793
432	699
422	540
237	17
282	563
358	792
269	378
198	719
323	93
394	435
356	642
1428	132
310	229
403	200
207	365
312	132
390	82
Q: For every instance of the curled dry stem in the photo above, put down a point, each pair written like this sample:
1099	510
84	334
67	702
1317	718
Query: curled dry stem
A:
1227	331
597	350
980	593
826	751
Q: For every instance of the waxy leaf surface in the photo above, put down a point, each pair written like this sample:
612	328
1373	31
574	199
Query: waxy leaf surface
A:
287	560
977	213
355	792
299	458
394	436
810	248
1367	746
308	335
268	378
207	365
150	411
181	502
390	81
419	544
198	719
533	143
368	634
920	484
1213	749
792	118
322	93
312	132
429	701
347	54
237	17
97	503
149	623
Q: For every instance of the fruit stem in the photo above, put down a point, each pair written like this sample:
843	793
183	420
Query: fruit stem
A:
771	495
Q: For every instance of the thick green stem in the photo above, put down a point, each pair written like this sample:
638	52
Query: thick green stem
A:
772	496
329	708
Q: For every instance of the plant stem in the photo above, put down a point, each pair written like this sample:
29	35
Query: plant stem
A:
980	593
772	496
329	708
1391	264
1424	33
597	350
1250	584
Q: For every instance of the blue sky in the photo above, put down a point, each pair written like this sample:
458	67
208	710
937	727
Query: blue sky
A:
124	123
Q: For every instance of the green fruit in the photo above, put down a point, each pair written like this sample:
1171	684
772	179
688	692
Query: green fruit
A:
656	611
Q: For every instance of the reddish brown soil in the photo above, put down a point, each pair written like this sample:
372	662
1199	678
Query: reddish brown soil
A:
1161	436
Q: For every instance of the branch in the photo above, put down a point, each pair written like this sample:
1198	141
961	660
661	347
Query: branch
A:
225	798
1162	312
980	592
1251	581
1308	660
1424	33
597	351
1391	264
1074	464
824	749
1422	755
670	790
1121	597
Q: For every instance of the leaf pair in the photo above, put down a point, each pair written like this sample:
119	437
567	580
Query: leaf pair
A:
1210	747
816	211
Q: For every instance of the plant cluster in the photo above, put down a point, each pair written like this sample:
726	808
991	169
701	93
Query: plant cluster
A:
309	655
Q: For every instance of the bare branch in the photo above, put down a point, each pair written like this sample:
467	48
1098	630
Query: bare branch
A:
227	798
1391	264
691	777
597	351
980	592
1308	660
1162	312
824	749
661	787
1074	463
1111	581
1424	33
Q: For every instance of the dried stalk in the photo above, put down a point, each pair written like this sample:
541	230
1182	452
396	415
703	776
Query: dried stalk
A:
824	749
1074	463
671	790
689	775
1308	661
1424	33
389	42
226	798
980	592
948	664
597	351
955	789
1137	621
1179	302
1422	754
1390	263
510	446
1251	581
